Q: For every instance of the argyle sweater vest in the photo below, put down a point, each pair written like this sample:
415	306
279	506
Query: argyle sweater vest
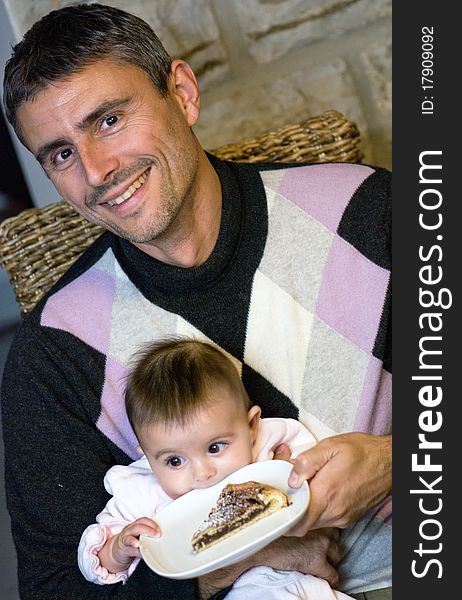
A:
295	291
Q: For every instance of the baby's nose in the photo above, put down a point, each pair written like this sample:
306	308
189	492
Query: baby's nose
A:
204	471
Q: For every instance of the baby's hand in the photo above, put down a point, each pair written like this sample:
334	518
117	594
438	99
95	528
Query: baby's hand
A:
120	550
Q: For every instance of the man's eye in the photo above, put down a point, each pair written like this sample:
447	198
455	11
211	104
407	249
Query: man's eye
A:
61	156
216	447
174	461
109	121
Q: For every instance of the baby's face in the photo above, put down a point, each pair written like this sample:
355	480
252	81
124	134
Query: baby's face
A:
218	441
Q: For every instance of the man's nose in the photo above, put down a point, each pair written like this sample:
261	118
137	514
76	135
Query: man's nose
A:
99	162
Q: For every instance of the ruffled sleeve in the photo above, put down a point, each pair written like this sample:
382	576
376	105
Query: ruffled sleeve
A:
135	493
93	539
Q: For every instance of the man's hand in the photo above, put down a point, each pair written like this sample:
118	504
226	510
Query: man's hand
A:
348	474
314	553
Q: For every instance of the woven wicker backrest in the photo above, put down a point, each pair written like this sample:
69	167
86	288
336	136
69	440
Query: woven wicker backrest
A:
40	244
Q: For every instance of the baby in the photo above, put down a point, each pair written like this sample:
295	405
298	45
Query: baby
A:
195	424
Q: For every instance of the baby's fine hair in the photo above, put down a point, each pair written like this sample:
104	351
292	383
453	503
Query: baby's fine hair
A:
173	378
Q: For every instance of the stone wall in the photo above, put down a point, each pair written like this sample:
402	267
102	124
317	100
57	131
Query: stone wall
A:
264	63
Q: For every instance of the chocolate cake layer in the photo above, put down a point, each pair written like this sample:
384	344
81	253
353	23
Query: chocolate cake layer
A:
238	506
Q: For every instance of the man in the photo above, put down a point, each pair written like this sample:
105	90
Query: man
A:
286	269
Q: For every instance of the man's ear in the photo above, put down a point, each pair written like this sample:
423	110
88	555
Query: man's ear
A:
186	90
253	417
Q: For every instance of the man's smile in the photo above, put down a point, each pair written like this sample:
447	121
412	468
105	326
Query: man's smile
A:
130	191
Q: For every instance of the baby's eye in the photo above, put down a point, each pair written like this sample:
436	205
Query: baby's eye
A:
216	447
174	461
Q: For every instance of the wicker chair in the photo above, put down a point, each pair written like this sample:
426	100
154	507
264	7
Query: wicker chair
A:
40	244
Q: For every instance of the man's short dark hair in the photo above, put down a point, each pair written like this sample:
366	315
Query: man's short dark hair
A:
66	40
172	379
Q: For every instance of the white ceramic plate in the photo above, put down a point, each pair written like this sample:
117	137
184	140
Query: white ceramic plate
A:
172	556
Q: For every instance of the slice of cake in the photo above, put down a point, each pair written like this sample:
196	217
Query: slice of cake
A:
239	505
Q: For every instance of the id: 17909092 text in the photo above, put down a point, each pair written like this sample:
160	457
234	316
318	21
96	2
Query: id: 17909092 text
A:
427	70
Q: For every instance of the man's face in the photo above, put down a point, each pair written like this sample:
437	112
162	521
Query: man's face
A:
217	442
119	153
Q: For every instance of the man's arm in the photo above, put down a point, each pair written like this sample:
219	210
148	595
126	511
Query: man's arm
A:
315	553
348	474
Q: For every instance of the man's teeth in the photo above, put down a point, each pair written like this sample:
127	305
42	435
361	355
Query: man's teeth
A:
131	190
